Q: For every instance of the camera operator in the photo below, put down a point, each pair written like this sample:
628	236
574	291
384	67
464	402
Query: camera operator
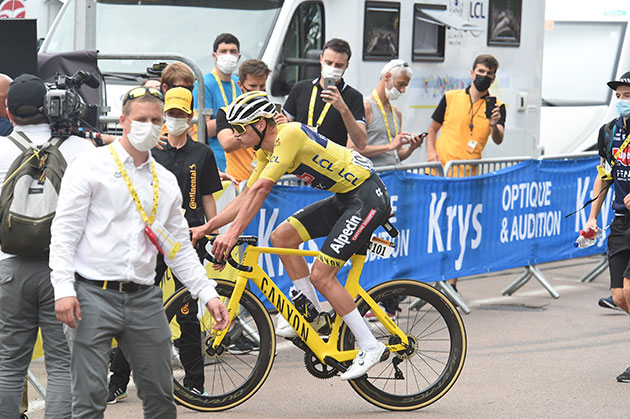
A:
26	293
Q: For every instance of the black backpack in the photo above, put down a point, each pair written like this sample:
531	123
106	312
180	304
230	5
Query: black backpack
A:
606	134
29	196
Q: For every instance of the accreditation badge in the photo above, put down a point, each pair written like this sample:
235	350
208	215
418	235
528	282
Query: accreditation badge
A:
163	240
470	147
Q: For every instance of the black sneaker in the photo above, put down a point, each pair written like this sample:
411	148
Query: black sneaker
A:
624	377
116	394
243	345
608	303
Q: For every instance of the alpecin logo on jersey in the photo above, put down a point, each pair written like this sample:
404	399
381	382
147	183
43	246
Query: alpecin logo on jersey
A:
343	238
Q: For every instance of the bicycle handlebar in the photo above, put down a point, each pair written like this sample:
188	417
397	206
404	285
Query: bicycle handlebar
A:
253	240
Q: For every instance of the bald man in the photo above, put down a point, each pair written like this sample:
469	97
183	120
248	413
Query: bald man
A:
5	125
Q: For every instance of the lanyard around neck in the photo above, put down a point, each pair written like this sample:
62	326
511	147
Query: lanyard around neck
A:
311	109
471	125
382	108
134	195
220	83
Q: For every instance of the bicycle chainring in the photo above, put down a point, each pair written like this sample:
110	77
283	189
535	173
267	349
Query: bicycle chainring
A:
317	368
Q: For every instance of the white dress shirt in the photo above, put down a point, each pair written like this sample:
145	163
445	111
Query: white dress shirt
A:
70	148
99	233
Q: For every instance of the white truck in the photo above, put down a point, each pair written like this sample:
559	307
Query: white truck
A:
44	11
587	43
439	38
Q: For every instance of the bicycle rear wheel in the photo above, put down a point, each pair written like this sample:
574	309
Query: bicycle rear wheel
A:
419	376
238	369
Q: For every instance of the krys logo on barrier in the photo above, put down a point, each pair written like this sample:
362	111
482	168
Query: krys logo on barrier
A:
467	218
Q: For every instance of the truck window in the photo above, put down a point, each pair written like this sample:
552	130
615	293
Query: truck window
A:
186	27
578	59
428	35
381	29
302	47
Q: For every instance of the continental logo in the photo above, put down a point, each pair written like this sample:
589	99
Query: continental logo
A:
193	187
337	263
185	309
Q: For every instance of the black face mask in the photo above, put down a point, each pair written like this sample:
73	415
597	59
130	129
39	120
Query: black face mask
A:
482	83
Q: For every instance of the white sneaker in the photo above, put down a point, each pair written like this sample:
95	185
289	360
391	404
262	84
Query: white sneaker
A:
285	330
364	361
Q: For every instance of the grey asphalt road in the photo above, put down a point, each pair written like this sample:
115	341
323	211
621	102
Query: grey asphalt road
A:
529	356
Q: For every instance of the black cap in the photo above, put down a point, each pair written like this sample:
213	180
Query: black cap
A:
624	80
26	96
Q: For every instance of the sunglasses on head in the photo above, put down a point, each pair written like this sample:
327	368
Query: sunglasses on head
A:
137	92
241	128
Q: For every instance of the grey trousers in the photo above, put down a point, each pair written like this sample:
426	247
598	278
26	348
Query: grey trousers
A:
26	303
137	320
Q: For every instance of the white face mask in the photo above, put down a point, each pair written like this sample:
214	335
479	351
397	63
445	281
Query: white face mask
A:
227	63
176	126
143	136
392	93
330	72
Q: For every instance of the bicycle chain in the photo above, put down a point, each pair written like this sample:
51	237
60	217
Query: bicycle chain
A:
317	368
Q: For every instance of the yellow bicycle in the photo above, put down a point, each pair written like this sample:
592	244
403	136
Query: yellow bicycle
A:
424	333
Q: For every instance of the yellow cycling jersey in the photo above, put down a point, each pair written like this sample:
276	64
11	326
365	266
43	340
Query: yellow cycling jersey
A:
313	158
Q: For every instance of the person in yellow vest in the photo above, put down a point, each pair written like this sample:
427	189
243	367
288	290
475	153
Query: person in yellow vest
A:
461	118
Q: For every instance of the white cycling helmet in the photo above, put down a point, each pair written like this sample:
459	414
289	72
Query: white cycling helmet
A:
249	107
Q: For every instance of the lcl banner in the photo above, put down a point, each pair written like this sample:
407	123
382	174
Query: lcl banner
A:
455	227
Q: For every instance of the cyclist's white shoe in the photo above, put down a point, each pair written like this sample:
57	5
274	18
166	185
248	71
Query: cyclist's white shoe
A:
285	330
364	361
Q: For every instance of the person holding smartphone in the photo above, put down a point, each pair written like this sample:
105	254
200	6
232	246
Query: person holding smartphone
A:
387	144
328	104
467	117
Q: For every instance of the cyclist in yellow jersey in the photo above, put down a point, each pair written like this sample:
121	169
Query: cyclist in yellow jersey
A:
359	205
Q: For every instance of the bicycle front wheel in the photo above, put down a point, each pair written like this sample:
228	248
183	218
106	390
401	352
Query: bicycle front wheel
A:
428	368
233	373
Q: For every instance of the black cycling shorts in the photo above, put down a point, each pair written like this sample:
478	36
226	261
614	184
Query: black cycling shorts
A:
348	219
619	250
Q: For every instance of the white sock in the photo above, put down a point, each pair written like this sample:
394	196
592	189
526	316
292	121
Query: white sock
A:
360	330
304	285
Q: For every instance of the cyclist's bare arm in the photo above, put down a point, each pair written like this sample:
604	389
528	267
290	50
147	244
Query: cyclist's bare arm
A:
227	215
248	208
596	206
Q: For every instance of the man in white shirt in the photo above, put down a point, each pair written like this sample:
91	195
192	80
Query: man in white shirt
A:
26	295
112	206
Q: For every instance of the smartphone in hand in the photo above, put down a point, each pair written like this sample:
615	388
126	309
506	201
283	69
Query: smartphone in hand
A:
491	102
329	82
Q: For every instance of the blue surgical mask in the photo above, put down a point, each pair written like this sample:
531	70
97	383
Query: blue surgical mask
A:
623	108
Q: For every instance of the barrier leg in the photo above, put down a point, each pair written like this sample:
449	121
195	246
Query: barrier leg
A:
518	283
598	269
450	292
543	281
38	386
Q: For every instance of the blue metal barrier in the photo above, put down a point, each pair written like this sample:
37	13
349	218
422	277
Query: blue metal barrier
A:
455	227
